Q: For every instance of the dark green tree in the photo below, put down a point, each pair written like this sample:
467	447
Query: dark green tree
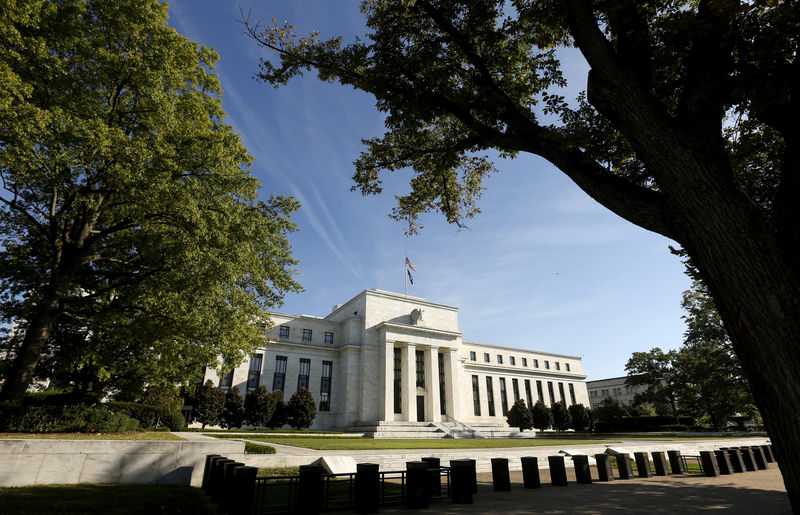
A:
542	416
301	410
133	248
561	418
655	371
520	416
208	405
689	127
233	414
279	416
580	417
608	415
259	407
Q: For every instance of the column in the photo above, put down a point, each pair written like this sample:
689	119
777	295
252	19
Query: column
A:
387	411
433	402
451	382
409	367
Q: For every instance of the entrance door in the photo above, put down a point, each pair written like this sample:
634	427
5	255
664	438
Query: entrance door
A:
420	408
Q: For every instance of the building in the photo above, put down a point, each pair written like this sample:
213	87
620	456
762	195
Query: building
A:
383	357
613	389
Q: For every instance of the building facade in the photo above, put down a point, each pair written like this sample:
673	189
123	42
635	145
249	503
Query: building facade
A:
613	389
383	356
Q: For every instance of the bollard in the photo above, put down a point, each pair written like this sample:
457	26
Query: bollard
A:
758	457
474	475
709	463
418	487
660	463
530	472
500	478
768	453
747	459
643	464
435	475
212	470
675	462
461	481
216	489
558	471
735	457
723	462
309	489
207	470
604	471
624	466
244	487
227	499
583	474
367	488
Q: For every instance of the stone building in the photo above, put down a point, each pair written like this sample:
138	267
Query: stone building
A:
614	389
383	358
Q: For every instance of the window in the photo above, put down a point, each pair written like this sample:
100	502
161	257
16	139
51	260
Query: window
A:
511	360
306	335
539	390
571	394
329	338
490	395
472	355
500	359
503	398
566	366
398	384
254	374
547	365
226	381
442	392
561	393
284	331
325	387
420	368
524	362
486	357
476	397
515	389
550	391
279	379
535	363
558	367
528	395
305	370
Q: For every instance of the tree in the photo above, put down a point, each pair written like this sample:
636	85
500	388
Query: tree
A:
133	248
654	370
542	416
689	127
580	417
301	410
233	414
259	407
561	418
209	403
279	416
520	416
608	415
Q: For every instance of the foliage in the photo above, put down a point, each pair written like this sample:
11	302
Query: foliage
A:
542	416
520	416
280	416
643	410
233	413
607	415
561	417
69	419
655	371
174	420
208	404
259	407
254	448
580	417
301	410
133	248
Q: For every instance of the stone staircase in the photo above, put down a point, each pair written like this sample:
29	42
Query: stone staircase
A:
390	429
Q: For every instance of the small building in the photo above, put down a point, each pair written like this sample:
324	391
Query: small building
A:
384	357
613	389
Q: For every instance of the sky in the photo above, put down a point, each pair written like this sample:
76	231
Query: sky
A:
543	267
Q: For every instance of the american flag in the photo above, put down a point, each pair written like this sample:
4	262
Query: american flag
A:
410	265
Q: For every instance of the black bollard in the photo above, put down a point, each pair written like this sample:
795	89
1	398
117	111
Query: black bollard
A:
604	470
474	474
675	462
709	463
216	489
747	459
309	489
643	464
583	474
227	499
418	486
435	475
735	457
758	457
367	488
558	471
461	481
768	453
244	486
660	463
207	470
723	462
500	477
530	472
624	466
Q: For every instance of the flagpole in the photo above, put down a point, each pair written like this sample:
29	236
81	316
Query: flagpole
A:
405	278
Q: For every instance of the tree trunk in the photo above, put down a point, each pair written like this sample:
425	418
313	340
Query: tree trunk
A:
21	373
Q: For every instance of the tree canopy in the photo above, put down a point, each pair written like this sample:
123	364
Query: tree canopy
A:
133	246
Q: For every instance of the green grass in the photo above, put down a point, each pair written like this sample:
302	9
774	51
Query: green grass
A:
278	471
130	435
94	498
254	448
348	443
298	431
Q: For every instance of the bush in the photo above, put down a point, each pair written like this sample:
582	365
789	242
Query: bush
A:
174	421
259	407
542	416
279	416
209	401
146	415
301	409
561	418
520	416
580	417
69	419
233	413
254	448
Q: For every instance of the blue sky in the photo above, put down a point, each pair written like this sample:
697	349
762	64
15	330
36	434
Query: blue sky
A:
543	267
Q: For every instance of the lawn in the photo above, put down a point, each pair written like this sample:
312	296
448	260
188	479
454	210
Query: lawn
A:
94	498
330	443
130	435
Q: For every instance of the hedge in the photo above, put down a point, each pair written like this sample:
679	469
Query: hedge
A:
66	419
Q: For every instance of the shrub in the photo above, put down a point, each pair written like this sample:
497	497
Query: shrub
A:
580	417
254	448
542	416
301	410
69	419
259	407
233	414
279	415
209	401
174	421
520	416
146	415
561	418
